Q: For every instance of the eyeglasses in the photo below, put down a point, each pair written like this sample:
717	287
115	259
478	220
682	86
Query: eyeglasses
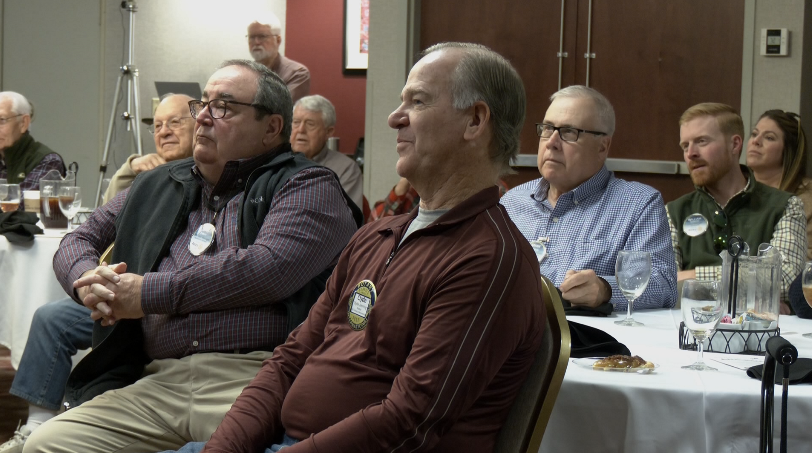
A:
720	239
568	134
173	124
3	121
219	107
260	38
307	125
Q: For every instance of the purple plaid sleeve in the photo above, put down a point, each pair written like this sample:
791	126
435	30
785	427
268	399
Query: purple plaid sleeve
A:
49	162
80	249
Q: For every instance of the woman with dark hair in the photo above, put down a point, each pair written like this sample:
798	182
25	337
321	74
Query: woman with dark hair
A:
776	152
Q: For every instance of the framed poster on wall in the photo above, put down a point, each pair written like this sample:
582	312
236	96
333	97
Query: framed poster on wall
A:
356	36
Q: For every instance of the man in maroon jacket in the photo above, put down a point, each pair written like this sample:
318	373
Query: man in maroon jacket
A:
431	320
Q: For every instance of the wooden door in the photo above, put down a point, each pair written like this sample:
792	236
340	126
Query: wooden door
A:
653	59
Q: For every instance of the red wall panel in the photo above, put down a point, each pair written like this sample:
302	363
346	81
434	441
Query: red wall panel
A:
314	36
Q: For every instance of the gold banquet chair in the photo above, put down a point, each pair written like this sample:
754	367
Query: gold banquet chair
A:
527	419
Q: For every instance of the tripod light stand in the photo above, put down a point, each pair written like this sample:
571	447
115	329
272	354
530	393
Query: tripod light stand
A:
130	73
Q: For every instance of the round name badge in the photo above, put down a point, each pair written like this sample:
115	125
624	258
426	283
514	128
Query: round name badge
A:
361	302
540	248
202	239
695	225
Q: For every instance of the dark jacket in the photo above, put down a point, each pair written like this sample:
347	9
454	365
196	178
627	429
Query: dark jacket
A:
146	220
21	157
751	214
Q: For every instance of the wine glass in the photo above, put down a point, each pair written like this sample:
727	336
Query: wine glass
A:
806	285
632	272
70	200
9	197
701	312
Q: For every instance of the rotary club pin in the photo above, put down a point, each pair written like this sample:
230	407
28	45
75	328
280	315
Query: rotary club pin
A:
695	225
361	302
202	239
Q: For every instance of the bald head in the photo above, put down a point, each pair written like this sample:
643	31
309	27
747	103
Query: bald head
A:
174	128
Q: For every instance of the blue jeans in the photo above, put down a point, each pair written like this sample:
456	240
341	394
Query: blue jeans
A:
58	330
196	447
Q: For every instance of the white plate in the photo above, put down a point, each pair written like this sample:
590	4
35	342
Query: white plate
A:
590	361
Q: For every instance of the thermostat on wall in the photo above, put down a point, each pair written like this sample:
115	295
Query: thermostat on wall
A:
774	42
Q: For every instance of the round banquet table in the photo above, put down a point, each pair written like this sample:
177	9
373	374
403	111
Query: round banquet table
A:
27	282
672	409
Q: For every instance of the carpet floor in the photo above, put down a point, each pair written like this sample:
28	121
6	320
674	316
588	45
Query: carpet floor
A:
12	409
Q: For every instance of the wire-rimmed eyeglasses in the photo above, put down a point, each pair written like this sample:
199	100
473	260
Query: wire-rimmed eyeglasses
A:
259	37
173	124
219	107
3	121
568	134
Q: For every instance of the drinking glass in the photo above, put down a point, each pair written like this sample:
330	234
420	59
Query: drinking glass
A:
701	312
632	272
70	200
9	197
806	284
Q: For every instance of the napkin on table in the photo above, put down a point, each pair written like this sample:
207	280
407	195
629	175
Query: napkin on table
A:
19	227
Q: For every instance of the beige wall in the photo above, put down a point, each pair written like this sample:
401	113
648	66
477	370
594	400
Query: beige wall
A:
51	54
391	23
65	56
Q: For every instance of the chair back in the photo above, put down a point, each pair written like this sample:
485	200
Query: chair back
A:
528	416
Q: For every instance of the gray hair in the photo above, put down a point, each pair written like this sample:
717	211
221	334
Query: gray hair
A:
272	93
604	109
270	20
319	103
19	104
484	75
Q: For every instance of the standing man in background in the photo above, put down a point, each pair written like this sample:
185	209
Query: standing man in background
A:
264	37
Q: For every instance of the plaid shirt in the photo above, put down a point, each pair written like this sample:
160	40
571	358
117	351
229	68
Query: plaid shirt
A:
591	224
223	299
31	182
789	237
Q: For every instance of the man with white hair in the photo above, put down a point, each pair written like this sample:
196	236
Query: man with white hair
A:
578	216
23	160
264	37
62	327
314	120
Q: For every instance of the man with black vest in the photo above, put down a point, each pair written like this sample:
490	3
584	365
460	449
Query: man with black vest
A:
216	259
729	201
23	160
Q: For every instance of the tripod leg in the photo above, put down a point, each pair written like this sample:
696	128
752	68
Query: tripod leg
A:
103	165
137	119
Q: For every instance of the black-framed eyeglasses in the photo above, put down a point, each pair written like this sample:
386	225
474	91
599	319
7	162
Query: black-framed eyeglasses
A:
3	121
720	239
173	124
568	134
219	107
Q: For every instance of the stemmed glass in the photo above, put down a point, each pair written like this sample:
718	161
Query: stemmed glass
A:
806	285
701	311
9	197
632	272
70	200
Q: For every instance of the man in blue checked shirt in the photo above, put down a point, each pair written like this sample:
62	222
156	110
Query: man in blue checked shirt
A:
578	216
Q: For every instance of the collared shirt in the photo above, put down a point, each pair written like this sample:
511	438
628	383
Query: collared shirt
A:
223	299
395	204
295	75
352	180
789	237
50	162
591	224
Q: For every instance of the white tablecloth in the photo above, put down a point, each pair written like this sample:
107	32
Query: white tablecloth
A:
672	409
27	282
